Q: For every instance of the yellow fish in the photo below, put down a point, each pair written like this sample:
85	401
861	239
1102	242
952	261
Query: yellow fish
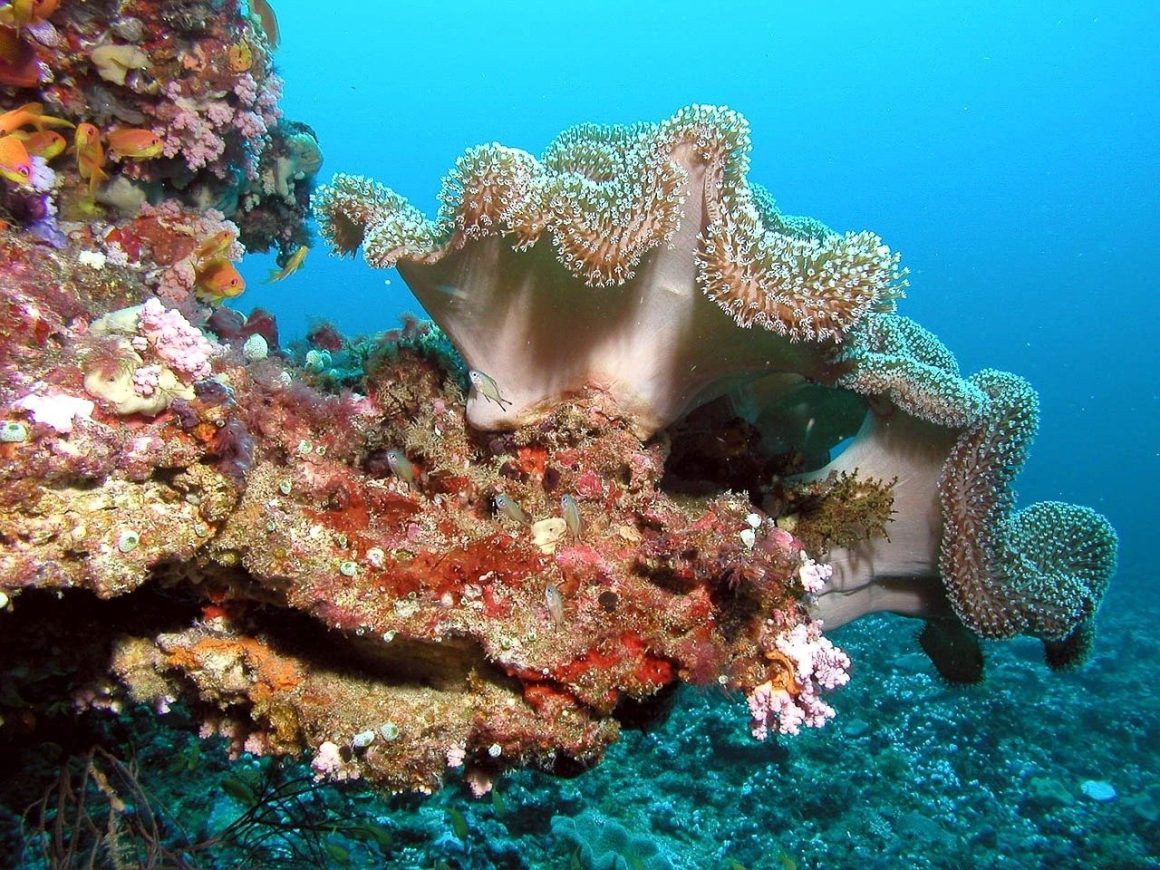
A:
292	265
487	388
21	12
90	155
43	143
134	143
219	279
214	247
15	164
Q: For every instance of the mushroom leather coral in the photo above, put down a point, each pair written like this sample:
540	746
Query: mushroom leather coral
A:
956	547
636	259
1041	571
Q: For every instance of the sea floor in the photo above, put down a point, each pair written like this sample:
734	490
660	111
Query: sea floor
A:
1013	773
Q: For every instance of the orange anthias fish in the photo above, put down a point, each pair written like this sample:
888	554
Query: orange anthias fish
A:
90	155
29	115
219	279
292	265
43	143
15	164
21	12
133	143
214	247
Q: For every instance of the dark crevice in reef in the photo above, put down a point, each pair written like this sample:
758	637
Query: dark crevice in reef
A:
63	643
647	714
59	643
446	666
799	427
79	621
711	451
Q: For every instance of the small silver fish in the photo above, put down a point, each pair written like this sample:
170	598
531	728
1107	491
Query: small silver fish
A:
487	388
555	602
401	465
571	515
510	508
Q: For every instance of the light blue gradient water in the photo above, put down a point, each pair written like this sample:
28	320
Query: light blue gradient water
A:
1009	150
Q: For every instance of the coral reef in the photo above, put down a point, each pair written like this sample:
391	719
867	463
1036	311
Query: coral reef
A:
367	577
171	103
597	266
500	543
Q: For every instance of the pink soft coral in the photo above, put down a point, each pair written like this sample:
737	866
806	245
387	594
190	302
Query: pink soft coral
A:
817	665
175	340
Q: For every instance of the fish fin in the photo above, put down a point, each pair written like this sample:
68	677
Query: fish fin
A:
97	178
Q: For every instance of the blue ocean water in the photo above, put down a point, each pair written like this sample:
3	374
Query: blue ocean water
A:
1010	151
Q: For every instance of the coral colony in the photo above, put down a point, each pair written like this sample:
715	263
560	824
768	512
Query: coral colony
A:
610	467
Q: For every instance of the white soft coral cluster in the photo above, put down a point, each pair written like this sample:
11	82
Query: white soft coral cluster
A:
813	575
817	665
